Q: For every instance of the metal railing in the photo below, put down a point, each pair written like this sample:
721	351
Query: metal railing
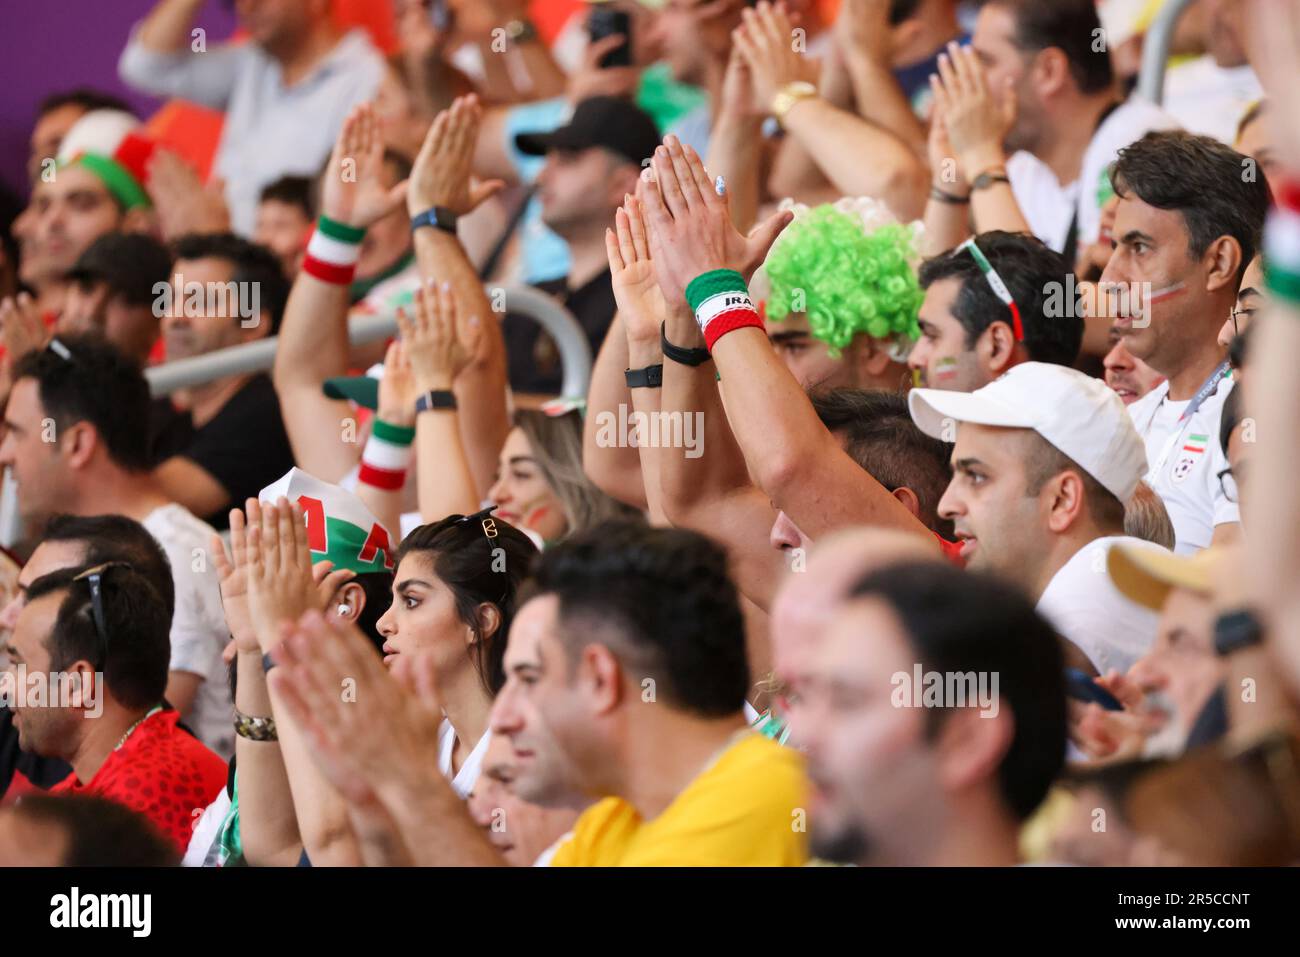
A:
1155	50
259	356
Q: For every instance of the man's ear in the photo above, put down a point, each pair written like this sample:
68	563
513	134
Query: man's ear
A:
1222	263
1050	71
869	355
972	746
78	443
83	688
601	676
1066	504
909	500
139	219
250	331
996	348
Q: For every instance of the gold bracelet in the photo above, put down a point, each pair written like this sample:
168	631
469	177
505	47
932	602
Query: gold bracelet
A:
255	729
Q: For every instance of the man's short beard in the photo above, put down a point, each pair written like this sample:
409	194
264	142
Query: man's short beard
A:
847	844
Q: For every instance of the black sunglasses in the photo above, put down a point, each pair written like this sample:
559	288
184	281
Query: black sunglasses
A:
94	578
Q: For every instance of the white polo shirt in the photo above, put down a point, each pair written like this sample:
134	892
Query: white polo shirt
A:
1084	606
1048	206
1184	461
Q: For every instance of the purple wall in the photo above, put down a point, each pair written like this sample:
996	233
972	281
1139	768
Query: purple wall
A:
48	46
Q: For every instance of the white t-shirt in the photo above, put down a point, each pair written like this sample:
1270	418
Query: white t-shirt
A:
1084	606
465	779
1184	461
1049	207
1210	99
199	632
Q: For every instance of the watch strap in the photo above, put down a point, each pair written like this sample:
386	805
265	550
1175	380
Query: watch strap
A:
678	354
988	178
439	217
437	399
651	377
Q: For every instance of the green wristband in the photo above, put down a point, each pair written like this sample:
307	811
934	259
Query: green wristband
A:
396	434
340	231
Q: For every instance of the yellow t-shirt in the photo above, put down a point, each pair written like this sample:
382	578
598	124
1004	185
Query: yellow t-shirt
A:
745	810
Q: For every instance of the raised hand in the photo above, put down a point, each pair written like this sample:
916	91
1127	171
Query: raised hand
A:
690	226
591	79
21	328
182	202
636	290
352	188
439	343
1275	55
945	171
976	118
379	738
765	38
280	582
397	390
233	571
862	28
441	175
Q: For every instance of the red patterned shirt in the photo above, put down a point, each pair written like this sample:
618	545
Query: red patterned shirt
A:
162	772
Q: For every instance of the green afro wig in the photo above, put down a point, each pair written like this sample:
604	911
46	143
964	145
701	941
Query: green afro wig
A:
846	280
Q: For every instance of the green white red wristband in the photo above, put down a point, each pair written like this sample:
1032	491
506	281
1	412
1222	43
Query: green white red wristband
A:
1282	245
387	456
720	300
333	252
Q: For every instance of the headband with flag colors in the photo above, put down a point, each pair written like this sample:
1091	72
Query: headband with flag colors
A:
996	284
112	145
340	528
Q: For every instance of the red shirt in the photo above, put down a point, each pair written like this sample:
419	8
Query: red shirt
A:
162	772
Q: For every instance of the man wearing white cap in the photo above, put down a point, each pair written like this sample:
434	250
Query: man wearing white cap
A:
1044	461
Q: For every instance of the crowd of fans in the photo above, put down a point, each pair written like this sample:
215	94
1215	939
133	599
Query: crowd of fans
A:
906	518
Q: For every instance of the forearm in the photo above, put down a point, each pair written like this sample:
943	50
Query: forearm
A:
840	143
379	842
645	402
995	206
323	823
166	28
613	467
796	461
268	823
434	824
312	347
1272	507
736	154
481	389
444	483
947	225
880	99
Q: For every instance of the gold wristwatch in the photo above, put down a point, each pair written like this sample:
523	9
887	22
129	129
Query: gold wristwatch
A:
788	96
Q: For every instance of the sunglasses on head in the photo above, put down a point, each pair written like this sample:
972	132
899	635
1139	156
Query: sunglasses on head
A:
94	578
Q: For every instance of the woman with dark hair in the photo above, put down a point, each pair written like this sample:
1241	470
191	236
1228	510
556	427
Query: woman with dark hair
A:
454	593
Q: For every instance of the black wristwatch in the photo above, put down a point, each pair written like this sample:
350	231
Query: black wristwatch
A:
686	357
988	178
437	399
1235	630
439	217
267	662
651	377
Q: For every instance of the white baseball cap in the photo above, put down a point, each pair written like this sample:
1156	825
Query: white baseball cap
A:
1079	415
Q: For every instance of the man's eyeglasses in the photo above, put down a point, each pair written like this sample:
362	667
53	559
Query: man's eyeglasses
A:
94	578
1228	482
